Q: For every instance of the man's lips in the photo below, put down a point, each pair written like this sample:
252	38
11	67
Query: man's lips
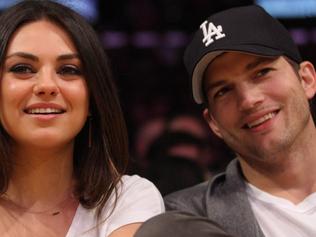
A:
260	120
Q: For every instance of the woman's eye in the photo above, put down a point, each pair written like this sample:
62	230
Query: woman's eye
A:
69	70
22	69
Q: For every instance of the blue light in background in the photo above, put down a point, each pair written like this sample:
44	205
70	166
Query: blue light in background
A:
5	3
289	8
87	8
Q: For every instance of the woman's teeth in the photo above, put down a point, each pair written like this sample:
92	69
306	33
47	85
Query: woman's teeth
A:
44	111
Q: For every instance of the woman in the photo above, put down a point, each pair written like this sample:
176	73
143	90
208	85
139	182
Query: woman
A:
63	140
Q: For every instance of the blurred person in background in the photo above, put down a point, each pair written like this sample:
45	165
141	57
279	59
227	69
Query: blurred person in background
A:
173	162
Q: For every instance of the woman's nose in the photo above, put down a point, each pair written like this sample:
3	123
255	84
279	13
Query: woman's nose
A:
46	85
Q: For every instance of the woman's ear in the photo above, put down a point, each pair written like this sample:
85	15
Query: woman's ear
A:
308	78
212	123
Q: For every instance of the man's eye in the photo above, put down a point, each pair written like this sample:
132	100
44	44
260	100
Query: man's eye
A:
22	69
221	92
69	70
263	72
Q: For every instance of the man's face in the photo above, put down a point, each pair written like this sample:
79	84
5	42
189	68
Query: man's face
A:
258	105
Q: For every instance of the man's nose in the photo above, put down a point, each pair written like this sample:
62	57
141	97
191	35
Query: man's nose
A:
249	97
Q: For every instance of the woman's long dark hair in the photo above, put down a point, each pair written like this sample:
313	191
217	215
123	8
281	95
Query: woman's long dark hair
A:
98	169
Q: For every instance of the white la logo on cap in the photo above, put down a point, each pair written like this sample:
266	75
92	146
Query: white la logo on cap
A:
210	32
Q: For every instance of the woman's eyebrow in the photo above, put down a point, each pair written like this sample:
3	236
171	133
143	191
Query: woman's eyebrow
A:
23	55
68	56
35	58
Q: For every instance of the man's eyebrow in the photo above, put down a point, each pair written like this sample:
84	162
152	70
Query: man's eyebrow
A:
213	85
23	55
258	61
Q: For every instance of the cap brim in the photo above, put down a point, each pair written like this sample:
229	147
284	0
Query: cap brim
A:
200	67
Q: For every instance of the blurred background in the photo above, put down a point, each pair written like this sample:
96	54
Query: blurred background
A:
170	143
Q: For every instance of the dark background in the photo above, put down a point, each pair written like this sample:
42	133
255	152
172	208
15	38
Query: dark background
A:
148	66
145	40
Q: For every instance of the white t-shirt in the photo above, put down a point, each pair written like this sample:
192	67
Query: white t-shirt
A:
279	217
138	200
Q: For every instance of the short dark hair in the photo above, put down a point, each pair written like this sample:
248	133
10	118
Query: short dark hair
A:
97	169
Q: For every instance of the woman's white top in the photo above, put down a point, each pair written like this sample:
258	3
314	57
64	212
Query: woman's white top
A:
138	201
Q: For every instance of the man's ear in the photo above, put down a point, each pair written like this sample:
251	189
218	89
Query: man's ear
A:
212	123
308	78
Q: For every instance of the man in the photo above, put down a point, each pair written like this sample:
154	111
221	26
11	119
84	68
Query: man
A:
248	73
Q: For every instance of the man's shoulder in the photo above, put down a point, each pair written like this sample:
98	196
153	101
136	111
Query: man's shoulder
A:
188	194
223	200
193	199
216	192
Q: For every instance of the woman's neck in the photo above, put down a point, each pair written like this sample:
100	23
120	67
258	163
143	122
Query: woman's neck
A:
41	177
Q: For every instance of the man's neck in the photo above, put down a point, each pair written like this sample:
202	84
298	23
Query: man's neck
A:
288	175
292	182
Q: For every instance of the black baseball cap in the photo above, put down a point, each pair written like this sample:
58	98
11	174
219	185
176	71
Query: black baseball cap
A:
248	29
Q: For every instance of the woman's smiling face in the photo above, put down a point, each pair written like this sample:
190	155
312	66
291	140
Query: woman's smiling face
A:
44	98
